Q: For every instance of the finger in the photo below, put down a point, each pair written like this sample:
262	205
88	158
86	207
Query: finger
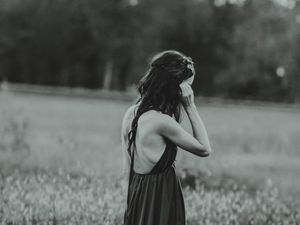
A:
183	86
185	90
186	85
190	89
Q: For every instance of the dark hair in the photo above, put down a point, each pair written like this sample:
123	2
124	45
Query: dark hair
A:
159	89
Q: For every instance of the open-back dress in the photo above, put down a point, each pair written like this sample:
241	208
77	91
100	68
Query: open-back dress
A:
156	198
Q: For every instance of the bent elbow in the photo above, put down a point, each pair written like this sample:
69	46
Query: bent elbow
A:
206	151
202	152
205	154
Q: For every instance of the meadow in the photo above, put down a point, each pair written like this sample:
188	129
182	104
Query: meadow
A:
61	163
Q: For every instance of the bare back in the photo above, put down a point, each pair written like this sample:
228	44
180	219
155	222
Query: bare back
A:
153	129
149	144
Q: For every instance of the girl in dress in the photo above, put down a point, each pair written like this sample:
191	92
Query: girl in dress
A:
151	134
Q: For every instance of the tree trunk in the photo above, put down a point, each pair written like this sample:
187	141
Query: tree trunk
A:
108	74
297	88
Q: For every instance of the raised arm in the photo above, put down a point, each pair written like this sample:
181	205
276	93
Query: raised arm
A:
171	129
199	130
124	131
198	143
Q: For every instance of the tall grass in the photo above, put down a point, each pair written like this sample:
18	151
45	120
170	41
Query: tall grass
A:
62	198
60	163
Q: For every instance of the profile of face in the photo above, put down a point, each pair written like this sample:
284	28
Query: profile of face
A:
168	70
190	80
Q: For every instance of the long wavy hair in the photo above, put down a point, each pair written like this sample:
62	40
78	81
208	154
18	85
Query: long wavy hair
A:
159	89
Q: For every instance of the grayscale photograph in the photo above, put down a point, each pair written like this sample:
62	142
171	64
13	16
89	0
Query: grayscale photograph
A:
149	112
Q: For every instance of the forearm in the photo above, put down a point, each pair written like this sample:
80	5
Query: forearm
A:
199	130
124	181
125	170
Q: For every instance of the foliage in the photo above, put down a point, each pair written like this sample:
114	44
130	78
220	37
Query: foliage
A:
247	143
14	132
48	198
238	46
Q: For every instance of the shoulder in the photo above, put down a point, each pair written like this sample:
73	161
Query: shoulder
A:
130	109
160	117
126	119
151	118
161	122
128	113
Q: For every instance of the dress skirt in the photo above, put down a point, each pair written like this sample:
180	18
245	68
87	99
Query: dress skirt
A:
156	198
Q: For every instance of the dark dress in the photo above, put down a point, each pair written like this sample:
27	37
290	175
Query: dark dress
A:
156	198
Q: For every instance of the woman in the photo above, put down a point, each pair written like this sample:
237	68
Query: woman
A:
150	135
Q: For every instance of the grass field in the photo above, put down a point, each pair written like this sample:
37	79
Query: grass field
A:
253	146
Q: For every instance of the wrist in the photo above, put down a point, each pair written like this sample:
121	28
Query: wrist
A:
191	107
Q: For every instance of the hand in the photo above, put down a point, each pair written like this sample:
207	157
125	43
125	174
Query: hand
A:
187	98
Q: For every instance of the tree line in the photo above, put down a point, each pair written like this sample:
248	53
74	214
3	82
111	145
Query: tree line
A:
247	49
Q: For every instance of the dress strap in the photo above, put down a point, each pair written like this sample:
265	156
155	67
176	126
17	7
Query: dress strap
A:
130	172
161	160
167	159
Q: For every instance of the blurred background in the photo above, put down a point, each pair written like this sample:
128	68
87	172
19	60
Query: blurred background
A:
242	49
68	73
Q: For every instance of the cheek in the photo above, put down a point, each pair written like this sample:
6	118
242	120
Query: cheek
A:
190	80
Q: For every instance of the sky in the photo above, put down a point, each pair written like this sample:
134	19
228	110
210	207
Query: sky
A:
284	3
